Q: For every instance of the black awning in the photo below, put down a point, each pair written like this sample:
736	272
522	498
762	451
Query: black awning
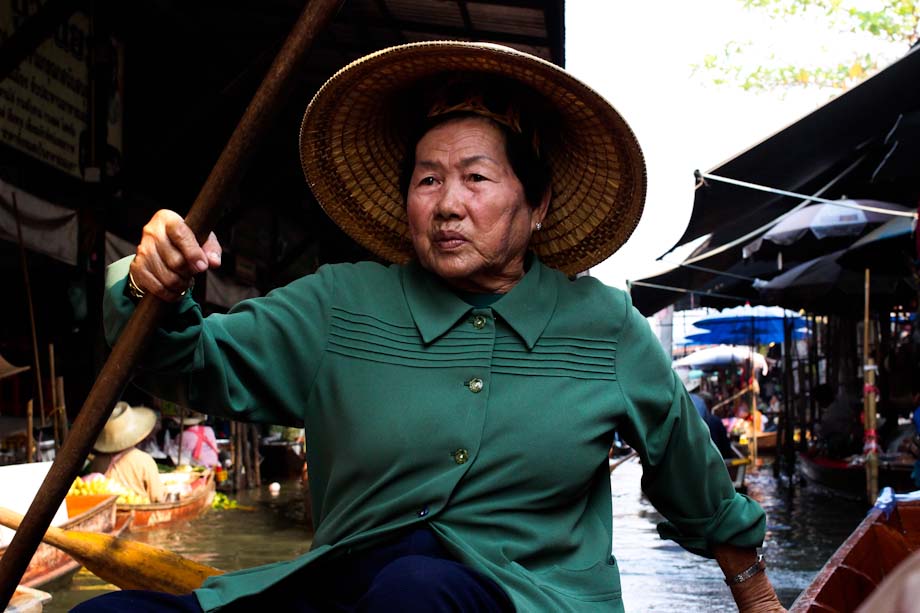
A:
837	149
808	154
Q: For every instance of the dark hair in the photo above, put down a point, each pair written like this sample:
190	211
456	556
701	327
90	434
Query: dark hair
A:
523	149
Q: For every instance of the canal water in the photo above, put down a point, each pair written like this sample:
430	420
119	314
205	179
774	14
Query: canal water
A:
804	527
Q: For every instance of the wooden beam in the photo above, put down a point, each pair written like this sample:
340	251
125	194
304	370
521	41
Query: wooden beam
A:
402	25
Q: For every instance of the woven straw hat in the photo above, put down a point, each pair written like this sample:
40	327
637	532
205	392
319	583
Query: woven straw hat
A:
355	132
192	419
126	427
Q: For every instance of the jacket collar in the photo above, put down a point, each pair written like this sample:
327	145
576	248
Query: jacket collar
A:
435	308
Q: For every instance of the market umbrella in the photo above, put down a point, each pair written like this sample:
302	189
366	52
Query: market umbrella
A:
889	248
722	355
823	285
731	338
819	229
747	325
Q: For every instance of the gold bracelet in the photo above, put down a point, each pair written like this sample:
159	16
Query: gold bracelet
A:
757	567
134	291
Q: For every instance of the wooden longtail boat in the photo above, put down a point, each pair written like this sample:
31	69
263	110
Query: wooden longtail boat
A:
157	514
870	554
849	481
50	567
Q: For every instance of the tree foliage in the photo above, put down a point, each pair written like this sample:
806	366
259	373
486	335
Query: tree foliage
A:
894	21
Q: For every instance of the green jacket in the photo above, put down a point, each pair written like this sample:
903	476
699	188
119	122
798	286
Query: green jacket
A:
491	425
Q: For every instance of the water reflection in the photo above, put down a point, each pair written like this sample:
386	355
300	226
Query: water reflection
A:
804	527
266	529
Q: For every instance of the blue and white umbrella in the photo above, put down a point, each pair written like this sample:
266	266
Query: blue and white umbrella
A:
747	325
722	355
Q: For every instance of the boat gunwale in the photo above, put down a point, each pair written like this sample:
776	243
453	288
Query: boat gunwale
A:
810	598
196	493
158	514
106	504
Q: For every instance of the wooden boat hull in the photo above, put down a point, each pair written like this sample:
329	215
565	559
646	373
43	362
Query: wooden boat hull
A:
870	554
50	567
281	461
737	468
158	514
850	481
766	442
27	600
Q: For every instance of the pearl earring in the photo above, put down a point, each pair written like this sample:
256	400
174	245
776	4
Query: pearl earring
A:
539	226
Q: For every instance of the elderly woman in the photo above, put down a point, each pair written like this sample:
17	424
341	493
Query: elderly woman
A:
461	401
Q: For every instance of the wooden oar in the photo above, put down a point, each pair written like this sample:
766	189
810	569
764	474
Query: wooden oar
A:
629	456
128	564
110	383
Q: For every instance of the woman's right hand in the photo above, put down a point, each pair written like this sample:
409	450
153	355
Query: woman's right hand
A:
169	256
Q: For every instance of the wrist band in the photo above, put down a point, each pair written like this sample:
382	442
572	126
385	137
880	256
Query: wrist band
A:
757	567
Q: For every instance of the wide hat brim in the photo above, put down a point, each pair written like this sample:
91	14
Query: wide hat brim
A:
126	427
355	131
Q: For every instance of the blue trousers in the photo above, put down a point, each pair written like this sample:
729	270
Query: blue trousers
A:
412	574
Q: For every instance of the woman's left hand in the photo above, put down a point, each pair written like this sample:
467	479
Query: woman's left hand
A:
756	595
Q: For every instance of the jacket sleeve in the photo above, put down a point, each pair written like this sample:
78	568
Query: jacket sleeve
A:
254	363
684	475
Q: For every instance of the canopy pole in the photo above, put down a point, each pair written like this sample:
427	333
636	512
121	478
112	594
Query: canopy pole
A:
260	113
684	290
869	390
25	280
755	233
782	192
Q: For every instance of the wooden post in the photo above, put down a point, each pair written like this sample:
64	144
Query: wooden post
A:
869	390
29	439
243	433
256	472
25	279
62	408
237	458
789	421
224	178
807	422
54	398
181	432
755	417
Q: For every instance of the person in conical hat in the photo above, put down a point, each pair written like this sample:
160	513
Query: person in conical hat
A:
117	458
199	443
461	392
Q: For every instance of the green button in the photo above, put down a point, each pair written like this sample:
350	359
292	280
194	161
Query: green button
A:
475	385
479	322
461	456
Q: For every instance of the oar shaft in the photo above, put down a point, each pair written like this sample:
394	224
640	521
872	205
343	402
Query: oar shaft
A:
121	362
126	564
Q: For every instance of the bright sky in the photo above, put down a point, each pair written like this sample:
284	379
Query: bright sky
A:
639	55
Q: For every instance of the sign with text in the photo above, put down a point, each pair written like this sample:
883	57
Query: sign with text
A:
44	101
